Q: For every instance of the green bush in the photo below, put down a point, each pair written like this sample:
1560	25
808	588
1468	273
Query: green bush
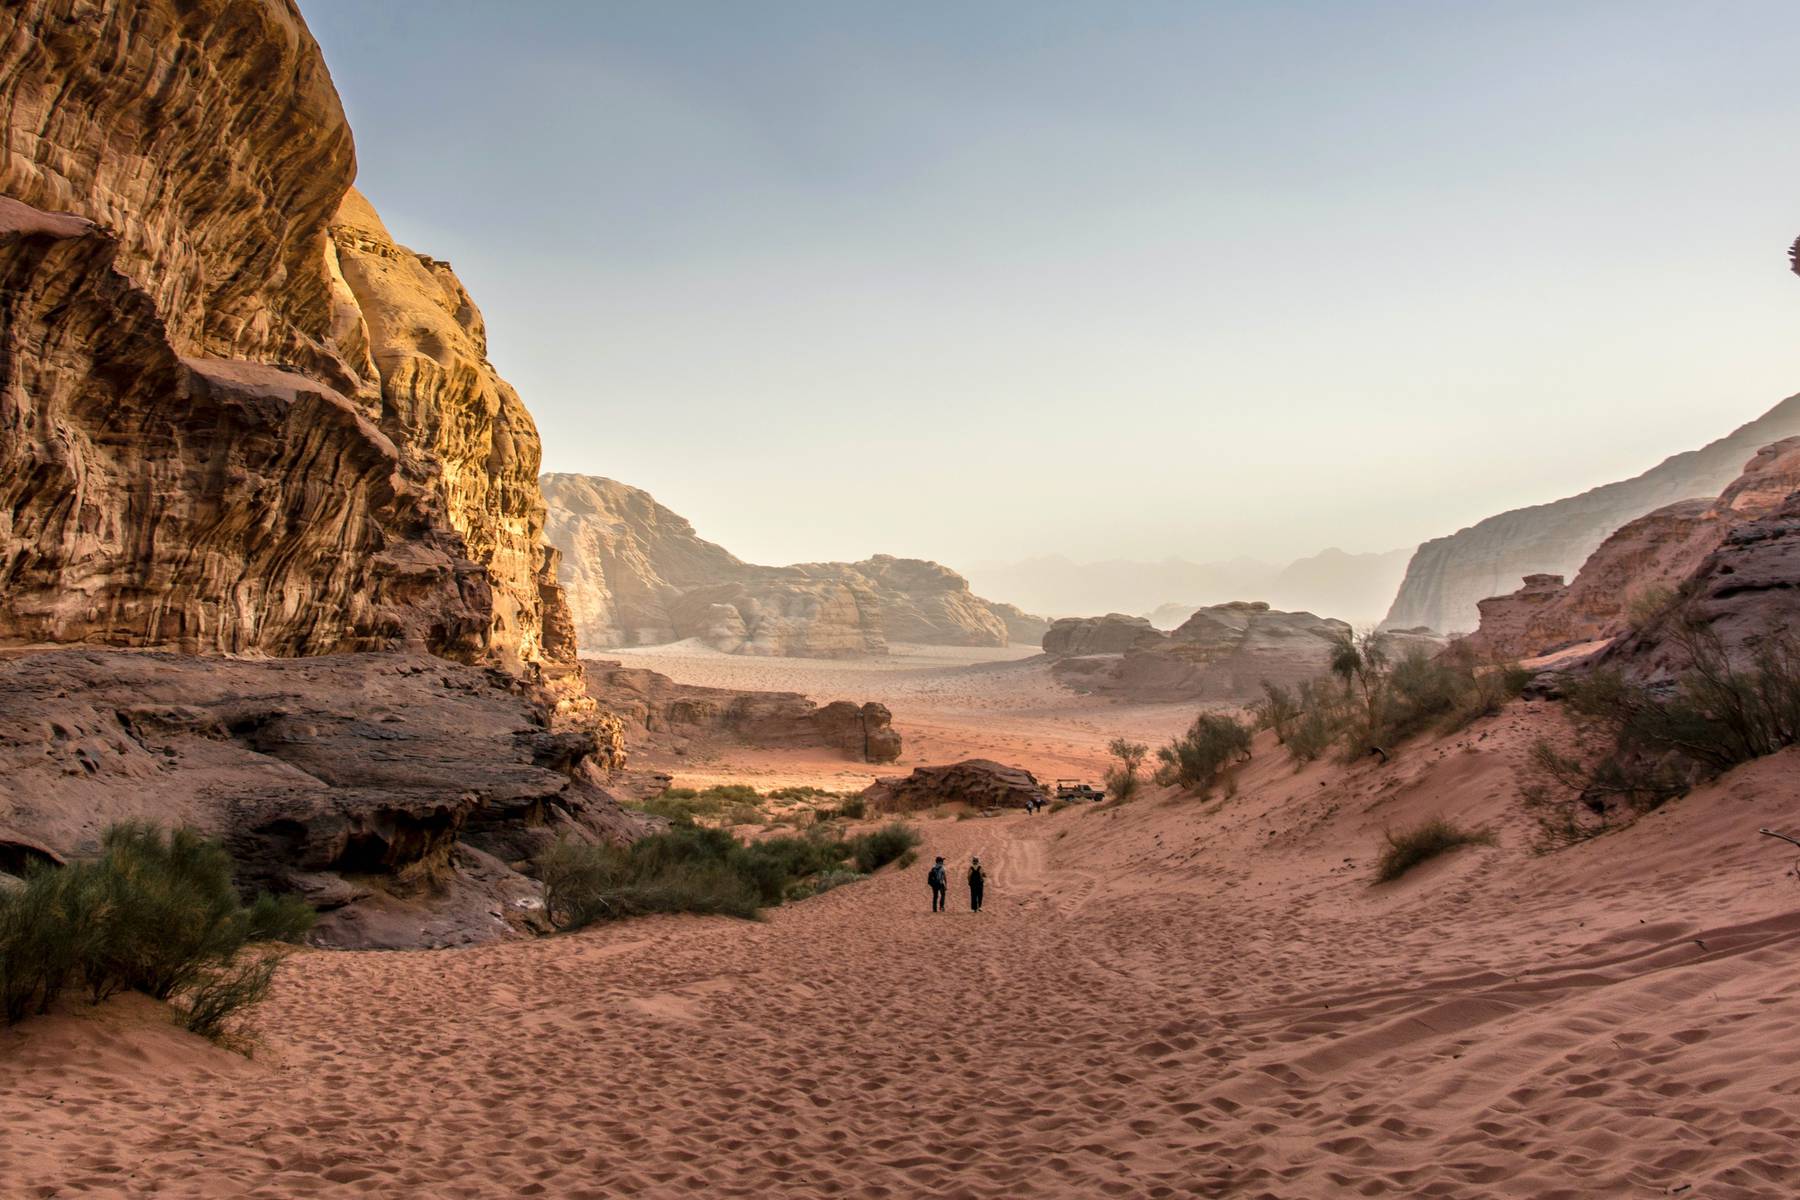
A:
1378	702
1426	840
1123	780
1196	759
691	868
872	851
1638	747
156	913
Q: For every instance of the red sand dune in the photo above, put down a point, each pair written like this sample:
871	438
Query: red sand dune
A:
1173	998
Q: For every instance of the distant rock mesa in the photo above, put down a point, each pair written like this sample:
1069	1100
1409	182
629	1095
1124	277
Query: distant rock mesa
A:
637	574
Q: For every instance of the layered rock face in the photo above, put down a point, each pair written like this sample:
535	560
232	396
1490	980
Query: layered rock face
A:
638	574
1449	576
677	714
393	791
979	782
224	428
1222	653
1645	561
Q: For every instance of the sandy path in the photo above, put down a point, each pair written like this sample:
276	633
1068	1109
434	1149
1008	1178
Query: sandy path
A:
1142	1010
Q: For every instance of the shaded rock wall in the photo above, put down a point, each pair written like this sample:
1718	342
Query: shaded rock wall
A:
391	790
224	430
1449	576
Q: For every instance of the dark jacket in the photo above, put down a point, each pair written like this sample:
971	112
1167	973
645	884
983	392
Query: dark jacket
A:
936	877
976	878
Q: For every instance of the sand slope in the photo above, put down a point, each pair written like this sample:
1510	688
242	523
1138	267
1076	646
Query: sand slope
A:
1176	998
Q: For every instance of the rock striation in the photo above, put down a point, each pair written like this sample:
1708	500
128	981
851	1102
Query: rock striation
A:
238	418
638	574
1642	565
979	782
396	792
660	710
1449	576
234	416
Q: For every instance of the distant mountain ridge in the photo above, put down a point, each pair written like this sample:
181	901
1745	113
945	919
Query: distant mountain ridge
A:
636	573
1449	576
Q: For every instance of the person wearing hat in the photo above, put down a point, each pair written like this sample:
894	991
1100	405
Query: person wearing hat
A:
977	882
940	885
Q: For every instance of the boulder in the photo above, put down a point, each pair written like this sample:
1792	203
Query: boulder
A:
979	782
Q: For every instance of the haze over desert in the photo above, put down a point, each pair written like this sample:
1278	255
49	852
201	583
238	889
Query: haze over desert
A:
1028	600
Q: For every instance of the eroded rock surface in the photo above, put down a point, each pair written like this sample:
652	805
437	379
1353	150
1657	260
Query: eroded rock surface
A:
225	429
678	714
638	574
1222	652
1449	576
979	782
392	790
1641	566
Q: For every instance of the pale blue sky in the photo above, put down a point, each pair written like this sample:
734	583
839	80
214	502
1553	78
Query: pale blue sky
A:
986	280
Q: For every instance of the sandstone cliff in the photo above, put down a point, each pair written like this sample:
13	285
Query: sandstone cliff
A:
1644	563
638	574
1449	576
237	417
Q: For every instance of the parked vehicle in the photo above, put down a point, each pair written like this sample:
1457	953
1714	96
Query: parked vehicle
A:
1075	789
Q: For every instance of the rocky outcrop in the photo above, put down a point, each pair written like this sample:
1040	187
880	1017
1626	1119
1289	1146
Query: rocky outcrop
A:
1115	633
233	415
391	790
978	782
1644	562
1449	576
677	714
1223	653
638	574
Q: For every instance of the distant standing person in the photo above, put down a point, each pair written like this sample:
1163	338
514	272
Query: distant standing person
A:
940	885
977	883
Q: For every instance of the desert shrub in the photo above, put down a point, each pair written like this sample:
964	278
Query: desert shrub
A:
906	860
1426	840
1277	710
45	931
824	882
222	994
1319	718
1122	782
696	869
874	850
1637	747
1196	759
727	801
156	913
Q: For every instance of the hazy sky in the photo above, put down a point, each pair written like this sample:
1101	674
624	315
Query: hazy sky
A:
977	280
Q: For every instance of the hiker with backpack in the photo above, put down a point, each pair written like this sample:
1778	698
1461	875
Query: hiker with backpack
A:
940	885
977	884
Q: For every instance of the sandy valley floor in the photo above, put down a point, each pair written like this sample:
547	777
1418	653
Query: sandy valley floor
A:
1173	998
949	703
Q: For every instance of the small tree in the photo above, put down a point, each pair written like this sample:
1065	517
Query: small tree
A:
1197	758
1122	781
